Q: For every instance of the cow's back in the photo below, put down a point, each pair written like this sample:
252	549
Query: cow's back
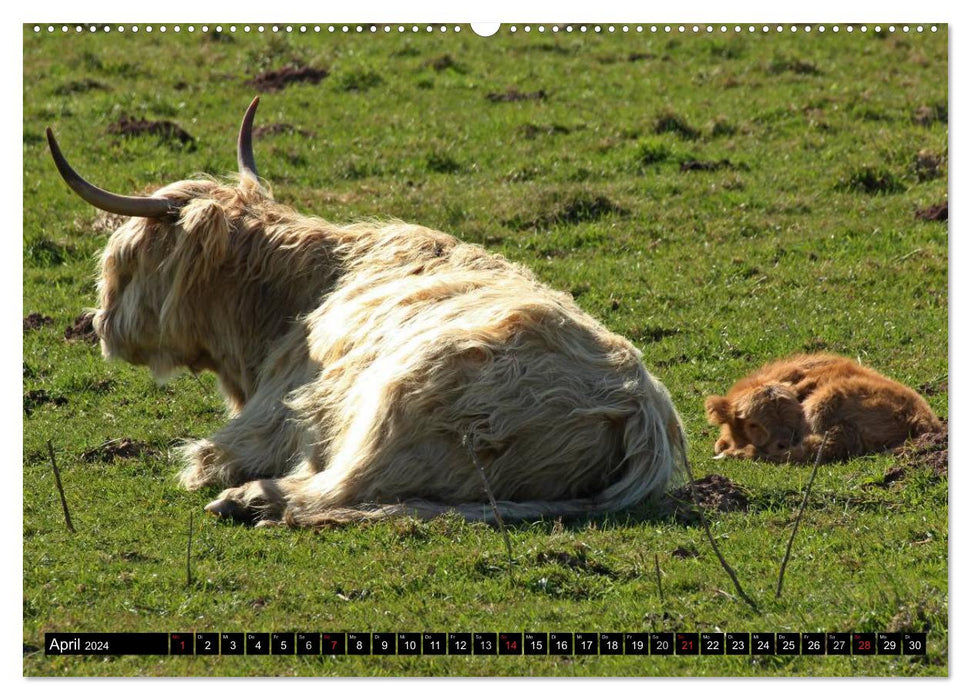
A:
416	355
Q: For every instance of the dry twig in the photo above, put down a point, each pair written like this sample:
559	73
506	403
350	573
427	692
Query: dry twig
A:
704	521
188	554
467	441
657	571
60	489
805	499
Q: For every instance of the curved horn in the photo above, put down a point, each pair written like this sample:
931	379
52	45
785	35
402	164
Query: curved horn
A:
244	144
148	207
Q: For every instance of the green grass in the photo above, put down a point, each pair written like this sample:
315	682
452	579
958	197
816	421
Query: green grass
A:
806	240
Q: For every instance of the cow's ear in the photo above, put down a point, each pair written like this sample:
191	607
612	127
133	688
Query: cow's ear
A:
718	409
200	250
207	228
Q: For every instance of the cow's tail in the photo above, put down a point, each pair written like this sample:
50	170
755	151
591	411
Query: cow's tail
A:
654	455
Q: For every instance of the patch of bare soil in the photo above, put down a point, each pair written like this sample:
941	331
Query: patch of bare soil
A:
276	80
577	560
892	475
121	448
933	388
514	95
80	86
668	122
927	451
927	165
219	37
531	131
715	492
105	221
38	397
82	329
443	62
36	320
816	344
926	115
707	165
166	131
567	209
935	212
918	616
279	128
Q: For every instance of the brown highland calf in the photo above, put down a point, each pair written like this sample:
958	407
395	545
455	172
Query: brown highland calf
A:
782	411
356	359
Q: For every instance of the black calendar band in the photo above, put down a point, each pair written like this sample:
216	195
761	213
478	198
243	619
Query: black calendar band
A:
525	643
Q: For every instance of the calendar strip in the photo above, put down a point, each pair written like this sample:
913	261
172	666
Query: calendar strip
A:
486	643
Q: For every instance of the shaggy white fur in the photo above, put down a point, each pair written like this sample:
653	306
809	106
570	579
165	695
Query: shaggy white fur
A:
355	358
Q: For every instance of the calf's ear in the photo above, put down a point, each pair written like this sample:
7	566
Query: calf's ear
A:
718	409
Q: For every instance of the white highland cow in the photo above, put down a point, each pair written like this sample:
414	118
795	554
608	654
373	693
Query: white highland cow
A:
357	360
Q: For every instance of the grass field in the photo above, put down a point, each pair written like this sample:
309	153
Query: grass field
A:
721	200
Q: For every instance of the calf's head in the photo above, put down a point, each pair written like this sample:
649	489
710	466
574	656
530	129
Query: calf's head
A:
767	416
160	264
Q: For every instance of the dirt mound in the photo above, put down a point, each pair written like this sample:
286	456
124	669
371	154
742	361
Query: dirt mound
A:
936	212
440	63
121	448
514	95
35	320
276	80
167	132
927	451
715	492
82	329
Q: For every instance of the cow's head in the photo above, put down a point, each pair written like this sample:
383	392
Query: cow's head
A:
766	419
157	266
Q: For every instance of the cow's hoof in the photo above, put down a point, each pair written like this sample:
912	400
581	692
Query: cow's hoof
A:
250	503
226	508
